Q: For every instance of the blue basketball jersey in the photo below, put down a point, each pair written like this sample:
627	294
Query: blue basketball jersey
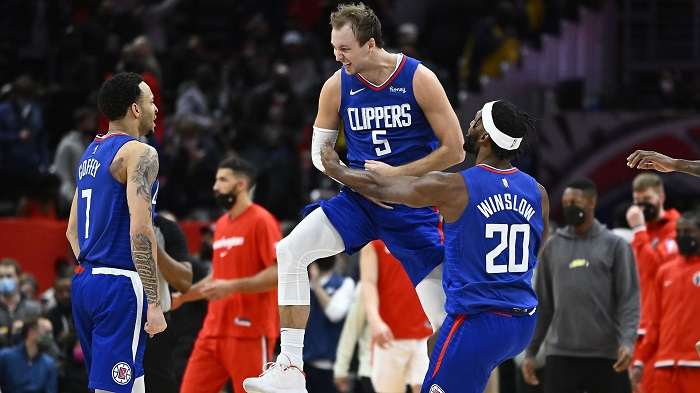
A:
491	250
384	123
103	213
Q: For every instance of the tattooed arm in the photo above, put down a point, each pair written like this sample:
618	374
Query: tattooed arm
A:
141	171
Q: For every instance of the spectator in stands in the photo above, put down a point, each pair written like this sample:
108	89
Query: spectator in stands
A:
331	297
27	367
653	244
191	158
14	308
675	316
23	145
69	151
301	64
193	103
28	286
355	333
588	309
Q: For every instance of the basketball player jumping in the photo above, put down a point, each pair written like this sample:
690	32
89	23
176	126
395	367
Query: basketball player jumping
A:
495	220
397	121
110	230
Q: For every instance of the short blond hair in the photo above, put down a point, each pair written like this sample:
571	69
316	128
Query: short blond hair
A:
363	22
647	180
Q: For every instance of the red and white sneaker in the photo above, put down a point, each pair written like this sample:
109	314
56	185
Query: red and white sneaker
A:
278	377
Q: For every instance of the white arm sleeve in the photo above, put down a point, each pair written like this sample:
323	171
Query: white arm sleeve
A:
321	136
341	301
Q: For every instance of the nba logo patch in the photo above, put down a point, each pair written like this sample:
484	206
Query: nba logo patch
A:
505	183
436	389
121	373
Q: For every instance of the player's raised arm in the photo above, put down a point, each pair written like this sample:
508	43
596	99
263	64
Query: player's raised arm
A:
141	172
326	124
434	189
646	159
442	118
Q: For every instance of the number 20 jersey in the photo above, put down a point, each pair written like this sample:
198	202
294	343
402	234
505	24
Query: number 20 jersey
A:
384	123
491	250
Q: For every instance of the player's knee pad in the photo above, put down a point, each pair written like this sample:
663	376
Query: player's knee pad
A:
292	277
432	298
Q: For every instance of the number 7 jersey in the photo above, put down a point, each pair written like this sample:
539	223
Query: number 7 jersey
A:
491	250
103	213
385	122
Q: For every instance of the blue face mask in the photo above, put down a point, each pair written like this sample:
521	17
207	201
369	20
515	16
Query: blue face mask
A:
7	285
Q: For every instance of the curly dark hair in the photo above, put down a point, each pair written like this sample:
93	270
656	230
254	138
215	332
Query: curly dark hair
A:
118	93
513	122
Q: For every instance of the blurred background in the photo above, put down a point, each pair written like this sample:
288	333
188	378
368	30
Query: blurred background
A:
603	78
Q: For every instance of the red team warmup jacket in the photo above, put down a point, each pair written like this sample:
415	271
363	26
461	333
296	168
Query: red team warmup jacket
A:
399	306
674	327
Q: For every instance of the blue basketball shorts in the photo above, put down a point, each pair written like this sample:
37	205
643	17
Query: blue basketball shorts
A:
469	347
109	312
412	235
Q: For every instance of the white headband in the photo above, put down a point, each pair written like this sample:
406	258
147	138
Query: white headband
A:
501	139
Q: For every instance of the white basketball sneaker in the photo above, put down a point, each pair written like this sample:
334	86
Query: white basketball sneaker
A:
278	377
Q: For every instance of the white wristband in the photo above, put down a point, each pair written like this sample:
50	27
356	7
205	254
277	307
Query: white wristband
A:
321	136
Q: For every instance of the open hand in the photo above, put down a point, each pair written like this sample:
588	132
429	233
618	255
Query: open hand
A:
218	289
635	216
155	320
647	159
624	358
528	370
381	168
381	334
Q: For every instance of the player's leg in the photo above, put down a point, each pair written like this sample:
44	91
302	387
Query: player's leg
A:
118	339
82	313
205	372
471	347
389	366
432	297
418	364
315	237
339	225
415	238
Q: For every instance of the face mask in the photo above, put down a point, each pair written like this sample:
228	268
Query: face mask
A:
651	213
225	201
8	286
687	245
470	144
574	215
44	342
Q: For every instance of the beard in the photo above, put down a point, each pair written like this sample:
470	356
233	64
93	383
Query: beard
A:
470	145
226	201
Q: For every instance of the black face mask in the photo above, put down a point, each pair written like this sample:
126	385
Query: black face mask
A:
225	201
651	213
470	144
45	342
574	215
687	245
